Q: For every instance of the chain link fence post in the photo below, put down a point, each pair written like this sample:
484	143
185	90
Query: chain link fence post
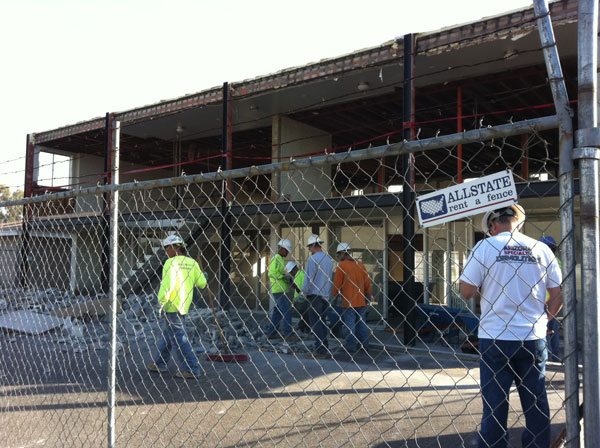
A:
113	284
588	153
567	220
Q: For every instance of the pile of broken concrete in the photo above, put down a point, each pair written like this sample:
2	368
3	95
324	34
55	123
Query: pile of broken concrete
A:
138	324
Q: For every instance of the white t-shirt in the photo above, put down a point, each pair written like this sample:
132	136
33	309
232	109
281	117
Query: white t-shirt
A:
512	272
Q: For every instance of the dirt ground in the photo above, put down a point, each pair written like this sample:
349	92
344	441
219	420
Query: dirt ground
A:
55	397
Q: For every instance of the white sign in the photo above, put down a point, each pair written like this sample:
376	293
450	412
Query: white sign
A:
471	198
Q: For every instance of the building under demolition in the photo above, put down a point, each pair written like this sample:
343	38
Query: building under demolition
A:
461	78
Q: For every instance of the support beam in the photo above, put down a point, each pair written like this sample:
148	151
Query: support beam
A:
105	237
177	170
259	249
275	157
225	258
459	128
408	194
386	271
27	192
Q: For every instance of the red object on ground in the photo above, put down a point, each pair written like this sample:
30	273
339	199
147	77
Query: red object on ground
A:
220	357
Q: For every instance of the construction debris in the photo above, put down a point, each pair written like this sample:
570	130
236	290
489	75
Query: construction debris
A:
83	327
29	322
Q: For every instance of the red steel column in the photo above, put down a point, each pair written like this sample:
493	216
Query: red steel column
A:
459	125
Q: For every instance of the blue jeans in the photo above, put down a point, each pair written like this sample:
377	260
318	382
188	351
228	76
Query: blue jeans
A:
282	313
523	362
317	310
173	335
553	341
356	331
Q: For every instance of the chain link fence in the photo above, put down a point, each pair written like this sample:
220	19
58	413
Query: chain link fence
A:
414	382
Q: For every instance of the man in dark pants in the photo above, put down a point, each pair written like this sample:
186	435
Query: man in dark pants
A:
317	290
300	302
511	273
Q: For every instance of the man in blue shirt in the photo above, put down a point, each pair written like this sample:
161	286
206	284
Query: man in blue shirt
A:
317	290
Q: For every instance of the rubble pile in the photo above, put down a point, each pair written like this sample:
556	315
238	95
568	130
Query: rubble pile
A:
139	324
42	301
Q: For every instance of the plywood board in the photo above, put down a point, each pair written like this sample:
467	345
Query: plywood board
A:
29	322
94	307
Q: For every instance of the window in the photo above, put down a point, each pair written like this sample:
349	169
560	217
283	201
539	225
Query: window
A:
54	170
539	176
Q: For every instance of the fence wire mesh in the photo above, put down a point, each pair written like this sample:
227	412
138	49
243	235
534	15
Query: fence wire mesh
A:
412	379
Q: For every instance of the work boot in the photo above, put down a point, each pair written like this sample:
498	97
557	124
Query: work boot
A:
154	368
186	375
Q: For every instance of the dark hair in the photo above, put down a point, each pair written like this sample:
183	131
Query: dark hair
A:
504	215
506	219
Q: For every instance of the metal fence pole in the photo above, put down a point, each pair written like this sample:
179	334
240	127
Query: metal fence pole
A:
114	251
567	220
588	152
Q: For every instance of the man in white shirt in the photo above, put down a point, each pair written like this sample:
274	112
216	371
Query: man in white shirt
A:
511	273
317	288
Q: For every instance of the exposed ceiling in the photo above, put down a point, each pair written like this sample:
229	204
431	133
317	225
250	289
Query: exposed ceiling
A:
501	79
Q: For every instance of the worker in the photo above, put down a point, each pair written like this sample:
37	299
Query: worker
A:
281	314
317	290
552	335
179	277
300	302
352	283
511	273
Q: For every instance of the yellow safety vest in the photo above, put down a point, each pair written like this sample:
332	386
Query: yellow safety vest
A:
180	275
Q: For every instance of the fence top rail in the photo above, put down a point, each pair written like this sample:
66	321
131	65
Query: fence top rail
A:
394	149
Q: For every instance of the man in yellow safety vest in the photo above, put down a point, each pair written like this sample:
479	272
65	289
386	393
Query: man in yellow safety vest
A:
180	275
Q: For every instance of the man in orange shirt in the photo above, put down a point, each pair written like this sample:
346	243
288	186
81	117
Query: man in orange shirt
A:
352	283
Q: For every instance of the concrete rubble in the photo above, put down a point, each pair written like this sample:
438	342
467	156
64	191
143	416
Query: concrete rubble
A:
139	324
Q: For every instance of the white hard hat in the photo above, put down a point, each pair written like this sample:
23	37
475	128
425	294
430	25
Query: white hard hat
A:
172	239
289	266
343	247
512	210
286	244
314	239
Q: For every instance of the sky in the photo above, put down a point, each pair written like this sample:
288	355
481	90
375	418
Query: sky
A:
69	61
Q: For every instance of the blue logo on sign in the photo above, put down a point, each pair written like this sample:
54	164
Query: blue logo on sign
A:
433	207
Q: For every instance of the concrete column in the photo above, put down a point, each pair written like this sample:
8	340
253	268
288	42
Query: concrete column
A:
294	139
73	273
275	154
